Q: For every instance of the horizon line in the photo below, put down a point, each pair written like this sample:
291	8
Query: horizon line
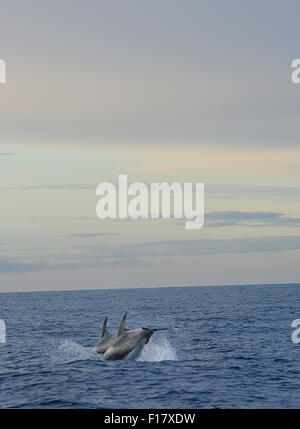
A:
155	287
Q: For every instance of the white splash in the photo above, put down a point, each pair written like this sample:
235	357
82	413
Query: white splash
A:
158	349
69	351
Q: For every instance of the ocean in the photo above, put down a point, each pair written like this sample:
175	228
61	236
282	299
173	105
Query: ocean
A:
225	347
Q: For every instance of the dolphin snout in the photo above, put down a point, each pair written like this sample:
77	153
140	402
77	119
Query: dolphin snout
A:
149	328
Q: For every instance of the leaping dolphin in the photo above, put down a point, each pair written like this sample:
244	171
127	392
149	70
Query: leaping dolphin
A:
127	341
107	339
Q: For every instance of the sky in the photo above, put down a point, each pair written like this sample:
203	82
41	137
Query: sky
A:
172	91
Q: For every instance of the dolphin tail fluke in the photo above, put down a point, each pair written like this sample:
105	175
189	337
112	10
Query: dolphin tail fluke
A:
122	325
104	331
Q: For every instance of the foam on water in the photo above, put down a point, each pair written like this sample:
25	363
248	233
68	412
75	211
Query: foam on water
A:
158	349
70	351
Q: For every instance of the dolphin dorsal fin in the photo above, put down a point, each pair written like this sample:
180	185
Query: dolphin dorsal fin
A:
122	325
104	331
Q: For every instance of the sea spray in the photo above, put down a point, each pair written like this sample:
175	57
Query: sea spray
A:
69	351
158	349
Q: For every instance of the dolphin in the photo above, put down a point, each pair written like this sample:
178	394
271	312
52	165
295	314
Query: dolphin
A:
128	341
107	339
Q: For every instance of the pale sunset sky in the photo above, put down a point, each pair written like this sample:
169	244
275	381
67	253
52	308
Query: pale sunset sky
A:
163	91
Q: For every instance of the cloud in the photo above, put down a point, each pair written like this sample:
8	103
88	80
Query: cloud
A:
212	246
171	85
250	219
238	218
11	266
140	253
6	153
257	192
69	187
91	234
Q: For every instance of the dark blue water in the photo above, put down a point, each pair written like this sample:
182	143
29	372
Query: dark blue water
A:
227	347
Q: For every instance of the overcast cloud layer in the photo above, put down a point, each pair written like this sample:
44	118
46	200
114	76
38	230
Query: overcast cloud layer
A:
163	91
155	71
